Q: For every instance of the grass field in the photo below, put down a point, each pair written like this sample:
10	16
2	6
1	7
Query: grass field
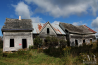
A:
72	56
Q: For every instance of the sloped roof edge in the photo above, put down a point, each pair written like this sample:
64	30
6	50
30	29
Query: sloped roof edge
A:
45	26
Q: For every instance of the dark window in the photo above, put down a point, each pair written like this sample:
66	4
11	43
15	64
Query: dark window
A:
84	41
90	40
11	42
76	42
47	30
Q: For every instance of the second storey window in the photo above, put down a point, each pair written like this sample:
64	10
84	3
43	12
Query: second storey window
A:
47	30
11	42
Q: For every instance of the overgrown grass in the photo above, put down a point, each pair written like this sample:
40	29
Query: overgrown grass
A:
51	56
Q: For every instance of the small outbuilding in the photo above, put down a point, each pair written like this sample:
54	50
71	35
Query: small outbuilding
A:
17	34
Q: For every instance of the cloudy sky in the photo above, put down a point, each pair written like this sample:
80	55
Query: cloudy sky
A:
76	12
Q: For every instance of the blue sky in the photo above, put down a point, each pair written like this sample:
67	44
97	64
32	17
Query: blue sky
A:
76	12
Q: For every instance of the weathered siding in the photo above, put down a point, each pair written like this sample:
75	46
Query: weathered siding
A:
80	39
51	31
17	36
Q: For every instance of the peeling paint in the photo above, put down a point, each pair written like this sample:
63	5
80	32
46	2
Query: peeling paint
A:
39	27
36	30
57	30
90	29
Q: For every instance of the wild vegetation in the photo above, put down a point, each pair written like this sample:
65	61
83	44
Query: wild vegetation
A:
52	56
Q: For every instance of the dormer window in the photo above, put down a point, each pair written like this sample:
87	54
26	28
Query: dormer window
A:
47	30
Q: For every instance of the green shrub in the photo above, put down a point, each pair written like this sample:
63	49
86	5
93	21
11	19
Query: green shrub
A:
31	47
63	43
37	42
51	41
56	52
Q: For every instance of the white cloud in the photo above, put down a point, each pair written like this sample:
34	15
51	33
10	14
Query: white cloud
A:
76	23
79	23
95	23
36	19
56	22
24	11
65	8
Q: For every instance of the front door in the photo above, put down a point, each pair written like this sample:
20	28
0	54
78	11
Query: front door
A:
76	42
24	43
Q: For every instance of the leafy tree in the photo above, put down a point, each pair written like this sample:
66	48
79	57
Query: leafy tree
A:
37	42
51	41
63	43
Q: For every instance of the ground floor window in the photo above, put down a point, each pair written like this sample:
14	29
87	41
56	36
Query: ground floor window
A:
11	42
84	41
90	40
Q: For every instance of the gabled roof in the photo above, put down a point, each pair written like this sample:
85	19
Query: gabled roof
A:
16	24
82	29
46	25
39	26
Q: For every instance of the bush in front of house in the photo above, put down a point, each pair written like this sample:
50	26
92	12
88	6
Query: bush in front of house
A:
31	47
51	41
63	43
55	52
37	42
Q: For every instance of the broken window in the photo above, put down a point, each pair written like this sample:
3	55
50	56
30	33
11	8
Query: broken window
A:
11	42
90	40
47	30
84	41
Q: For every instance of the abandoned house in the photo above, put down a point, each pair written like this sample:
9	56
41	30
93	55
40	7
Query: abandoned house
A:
19	33
43	30
77	35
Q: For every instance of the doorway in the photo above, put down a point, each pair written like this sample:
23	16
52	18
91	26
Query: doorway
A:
24	43
84	41
76	42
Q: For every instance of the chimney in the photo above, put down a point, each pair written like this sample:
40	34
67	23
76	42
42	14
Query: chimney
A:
19	17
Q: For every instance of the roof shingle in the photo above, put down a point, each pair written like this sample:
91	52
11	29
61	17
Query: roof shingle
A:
82	29
15	24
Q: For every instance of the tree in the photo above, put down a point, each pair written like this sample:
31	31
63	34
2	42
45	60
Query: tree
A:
37	42
63	43
51	41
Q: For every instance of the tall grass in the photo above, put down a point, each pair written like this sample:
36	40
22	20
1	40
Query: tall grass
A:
51	56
